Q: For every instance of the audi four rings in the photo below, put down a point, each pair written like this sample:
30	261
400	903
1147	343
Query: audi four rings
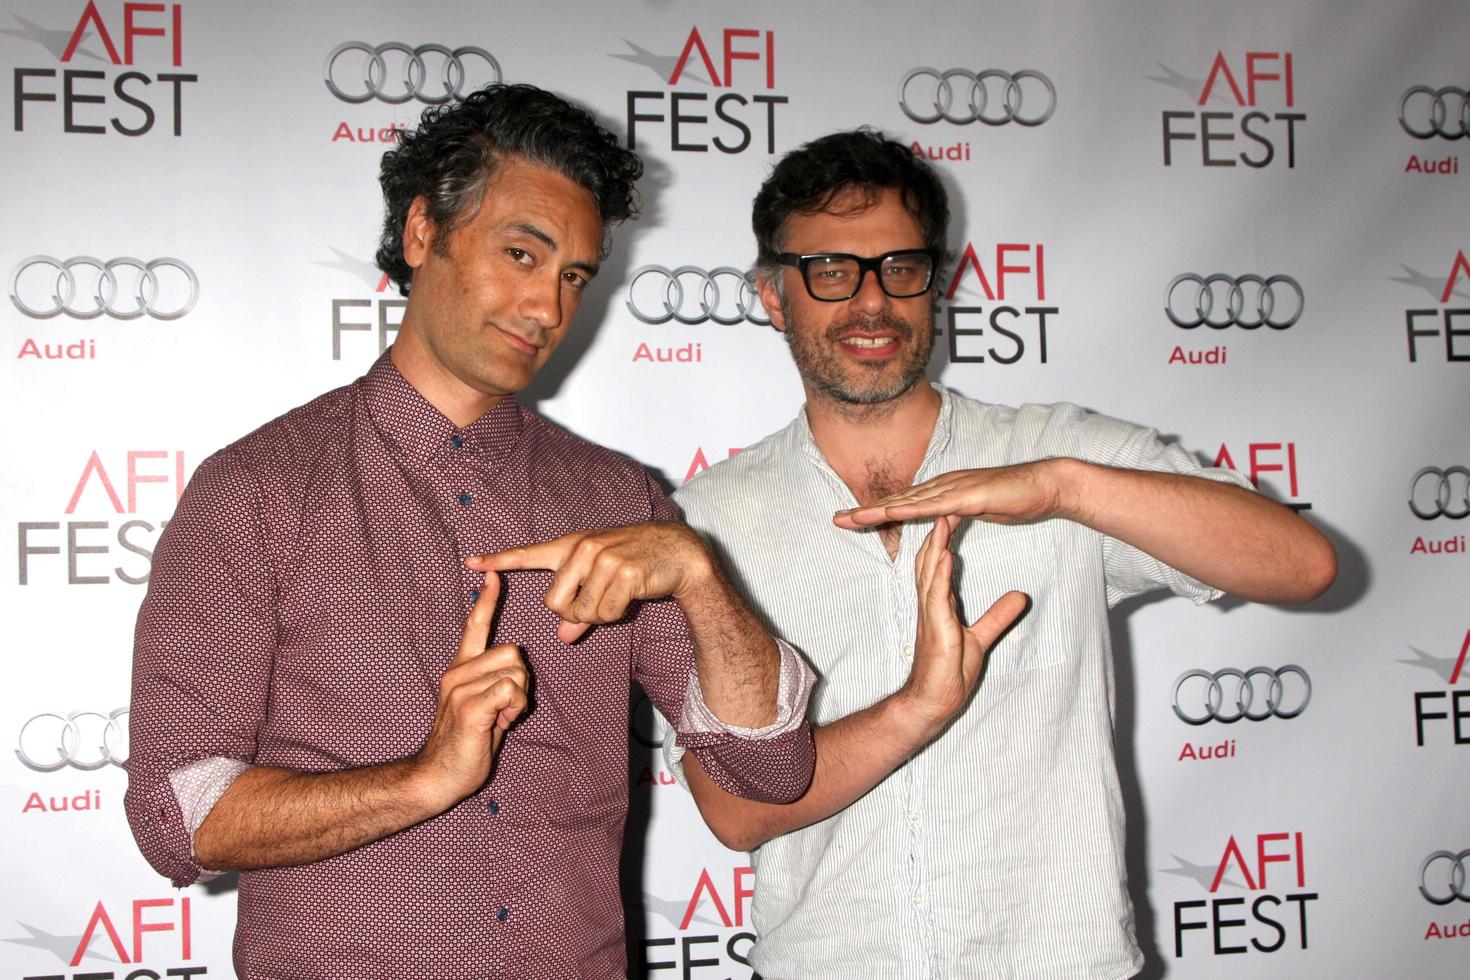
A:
372	79
932	102
59	292
1247	309
1448	501
1441	112
83	740
1207	700
1454	887
692	295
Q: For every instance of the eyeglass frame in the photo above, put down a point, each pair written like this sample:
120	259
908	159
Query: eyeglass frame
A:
874	264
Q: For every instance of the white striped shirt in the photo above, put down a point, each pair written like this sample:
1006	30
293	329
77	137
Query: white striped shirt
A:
997	851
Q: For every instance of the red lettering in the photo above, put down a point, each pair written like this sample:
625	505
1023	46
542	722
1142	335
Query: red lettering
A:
1232	848
1460	264
704	884
94	464
695	41
967	260
132	30
1218	68
99	915
1263	859
90	15
1455	674
731	55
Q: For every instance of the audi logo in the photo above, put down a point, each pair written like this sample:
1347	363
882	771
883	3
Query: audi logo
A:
1437	112
1229	695
85	740
693	295
86	288
1448	495
1248	302
938	98
1442	887
367	76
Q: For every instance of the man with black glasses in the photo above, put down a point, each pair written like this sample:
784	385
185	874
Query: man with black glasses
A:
946	814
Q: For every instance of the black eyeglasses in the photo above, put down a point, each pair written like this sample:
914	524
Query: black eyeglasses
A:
836	276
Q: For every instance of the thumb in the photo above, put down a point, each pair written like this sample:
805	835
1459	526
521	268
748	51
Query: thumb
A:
1001	616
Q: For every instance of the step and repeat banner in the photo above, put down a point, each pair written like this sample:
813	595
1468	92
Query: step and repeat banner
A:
1247	225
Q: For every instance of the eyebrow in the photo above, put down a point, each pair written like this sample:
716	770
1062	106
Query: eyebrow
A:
525	227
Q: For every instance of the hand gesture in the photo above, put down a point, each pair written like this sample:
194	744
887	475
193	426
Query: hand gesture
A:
599	573
1002	495
948	656
480	695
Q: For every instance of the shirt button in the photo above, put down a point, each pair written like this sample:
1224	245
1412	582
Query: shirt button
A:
494	807
898	573
465	499
907	652
914	817
456	441
502	914
918	900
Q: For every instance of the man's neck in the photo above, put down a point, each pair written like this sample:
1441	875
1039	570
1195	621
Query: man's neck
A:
859	441
457	401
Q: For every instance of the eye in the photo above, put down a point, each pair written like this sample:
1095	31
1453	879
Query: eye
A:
574	279
520	255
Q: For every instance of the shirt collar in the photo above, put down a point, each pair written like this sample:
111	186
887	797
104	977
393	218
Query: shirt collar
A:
417	431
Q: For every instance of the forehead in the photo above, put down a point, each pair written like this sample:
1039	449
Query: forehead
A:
860	221
522	192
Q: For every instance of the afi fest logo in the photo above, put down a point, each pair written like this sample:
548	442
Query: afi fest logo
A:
1012	329
379	316
153	937
95	552
720	92
1243	116
1272	914
394	73
1267	457
1442	715
1453	295
101	88
718	900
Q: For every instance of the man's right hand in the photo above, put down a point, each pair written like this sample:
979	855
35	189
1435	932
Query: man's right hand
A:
480	695
948	656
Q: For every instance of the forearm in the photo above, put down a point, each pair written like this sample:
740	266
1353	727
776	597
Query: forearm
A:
271	818
1223	535
854	754
737	660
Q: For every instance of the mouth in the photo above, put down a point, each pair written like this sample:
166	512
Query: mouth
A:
519	342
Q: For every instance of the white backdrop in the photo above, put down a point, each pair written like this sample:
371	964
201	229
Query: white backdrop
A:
1138	142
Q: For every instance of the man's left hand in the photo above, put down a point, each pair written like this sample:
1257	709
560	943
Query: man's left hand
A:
1016	494
599	573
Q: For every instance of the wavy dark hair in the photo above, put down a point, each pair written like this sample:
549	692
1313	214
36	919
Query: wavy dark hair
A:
452	157
807	179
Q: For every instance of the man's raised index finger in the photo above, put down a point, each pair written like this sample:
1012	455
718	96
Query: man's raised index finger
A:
544	554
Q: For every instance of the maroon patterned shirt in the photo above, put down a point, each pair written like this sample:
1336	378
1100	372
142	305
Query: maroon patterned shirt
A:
304	602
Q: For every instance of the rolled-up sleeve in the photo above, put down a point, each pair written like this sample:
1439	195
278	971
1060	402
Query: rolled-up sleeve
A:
203	651
772	764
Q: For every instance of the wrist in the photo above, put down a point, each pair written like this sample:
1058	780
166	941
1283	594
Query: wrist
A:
910	721
1069	480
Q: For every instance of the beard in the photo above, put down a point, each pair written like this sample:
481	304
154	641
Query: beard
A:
853	382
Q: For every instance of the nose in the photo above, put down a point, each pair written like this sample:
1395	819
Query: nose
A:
541	303
870	297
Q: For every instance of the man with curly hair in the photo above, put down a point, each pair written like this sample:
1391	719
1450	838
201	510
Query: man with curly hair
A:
337	694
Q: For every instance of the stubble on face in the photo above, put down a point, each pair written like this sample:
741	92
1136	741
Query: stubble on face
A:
857	387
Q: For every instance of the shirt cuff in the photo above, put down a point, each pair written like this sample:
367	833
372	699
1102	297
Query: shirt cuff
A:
198	787
792	692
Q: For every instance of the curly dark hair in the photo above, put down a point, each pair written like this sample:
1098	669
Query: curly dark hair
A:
807	179
450	160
